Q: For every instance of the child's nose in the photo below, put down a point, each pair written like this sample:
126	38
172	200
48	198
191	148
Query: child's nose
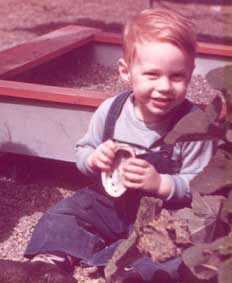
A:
164	84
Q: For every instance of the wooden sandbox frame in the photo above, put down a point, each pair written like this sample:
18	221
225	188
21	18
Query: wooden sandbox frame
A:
46	121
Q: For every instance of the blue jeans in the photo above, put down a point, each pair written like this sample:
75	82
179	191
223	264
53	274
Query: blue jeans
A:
89	226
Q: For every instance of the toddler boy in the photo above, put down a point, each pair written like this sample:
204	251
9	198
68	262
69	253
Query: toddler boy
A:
159	49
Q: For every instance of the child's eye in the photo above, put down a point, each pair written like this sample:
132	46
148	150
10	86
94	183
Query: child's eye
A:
178	77
152	76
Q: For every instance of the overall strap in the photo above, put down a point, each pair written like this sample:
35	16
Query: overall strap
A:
115	110
113	113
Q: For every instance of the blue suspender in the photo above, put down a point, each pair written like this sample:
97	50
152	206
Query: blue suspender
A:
115	110
113	113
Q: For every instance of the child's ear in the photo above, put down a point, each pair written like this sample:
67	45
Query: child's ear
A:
123	69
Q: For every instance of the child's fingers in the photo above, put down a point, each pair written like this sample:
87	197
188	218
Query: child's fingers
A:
103	166
102	159
133	176
136	165
137	162
110	144
132	182
104	155
108	149
138	174
107	152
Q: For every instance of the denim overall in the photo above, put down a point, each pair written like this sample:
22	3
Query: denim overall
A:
90	224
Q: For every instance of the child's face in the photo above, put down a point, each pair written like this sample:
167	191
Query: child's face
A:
159	75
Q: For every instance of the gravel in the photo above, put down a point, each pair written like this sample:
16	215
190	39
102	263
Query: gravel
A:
101	78
28	187
78	69
22	205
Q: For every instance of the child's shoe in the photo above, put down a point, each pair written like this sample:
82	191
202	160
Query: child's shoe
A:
33	272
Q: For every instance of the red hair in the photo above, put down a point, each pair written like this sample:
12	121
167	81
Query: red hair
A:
159	25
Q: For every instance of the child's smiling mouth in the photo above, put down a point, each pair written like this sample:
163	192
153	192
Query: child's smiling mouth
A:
161	101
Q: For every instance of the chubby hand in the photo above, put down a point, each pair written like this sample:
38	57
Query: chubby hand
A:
140	174
103	156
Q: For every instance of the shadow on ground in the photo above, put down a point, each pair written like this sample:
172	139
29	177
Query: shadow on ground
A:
31	184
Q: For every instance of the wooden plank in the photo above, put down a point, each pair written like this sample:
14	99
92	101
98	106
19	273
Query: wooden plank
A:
74	96
215	49
42	129
45	121
42	49
108	37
